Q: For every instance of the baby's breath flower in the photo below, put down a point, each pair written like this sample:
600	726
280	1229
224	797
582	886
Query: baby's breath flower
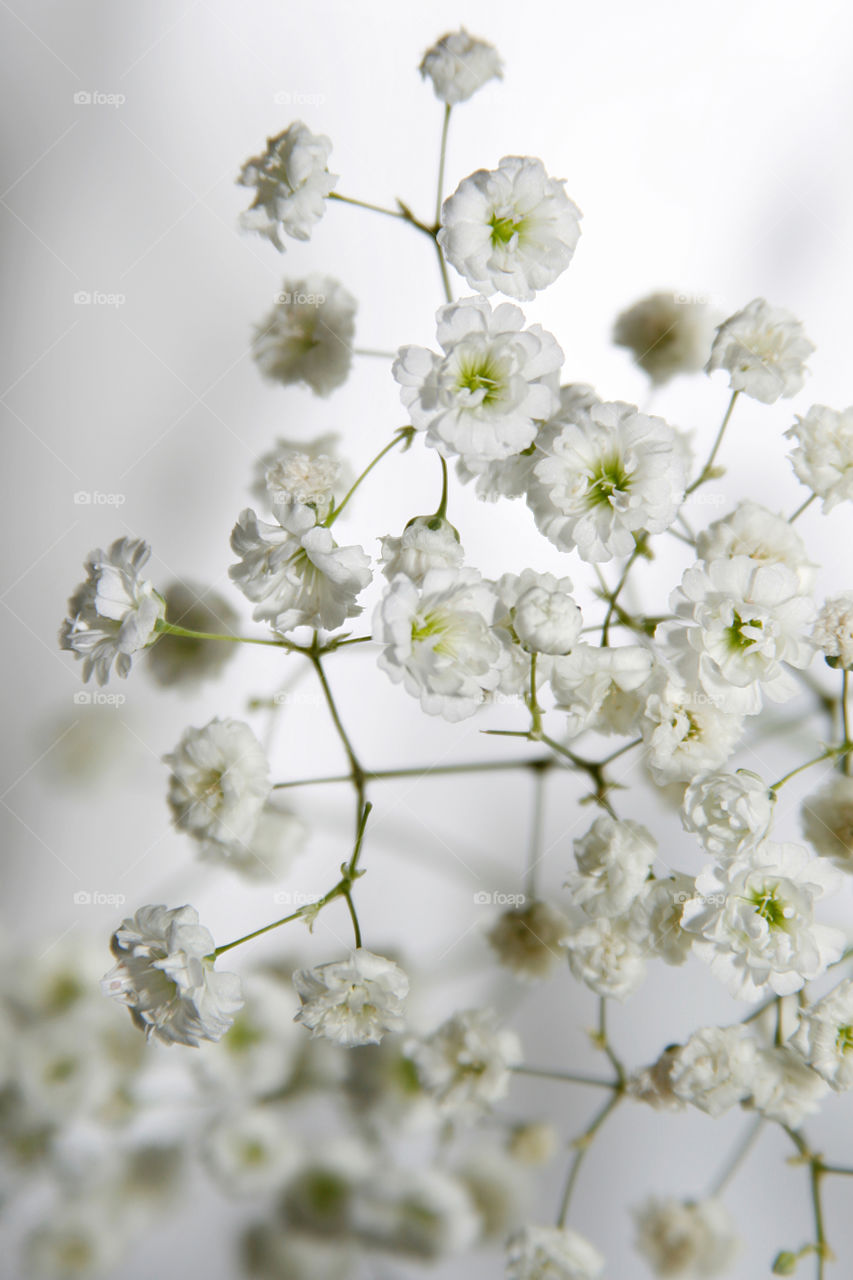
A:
219	782
458	65
763	349
713	1071
686	1238
729	812
291	181
465	1063
613	863
552	1253
823	457
828	821
180	660
666	334
308	335
833	631
354	1001
751	530
510	230
605	954
530	940
115	612
544	615
784	1087
824	1036
427	542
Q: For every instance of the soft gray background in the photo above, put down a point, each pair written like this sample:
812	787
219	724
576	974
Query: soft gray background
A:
709	150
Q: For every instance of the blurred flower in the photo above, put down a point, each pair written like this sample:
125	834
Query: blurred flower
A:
824	1036
655	918
785	1088
483	397
424	1214
510	230
714	1070
609	474
180	660
605	954
308	335
301	472
530	940
291	182
165	976
115	612
686	1238
552	1253
465	1063
458	65
764	350
828	821
823	457
251	1151
751	530
354	1001
666	334
833	631
219	782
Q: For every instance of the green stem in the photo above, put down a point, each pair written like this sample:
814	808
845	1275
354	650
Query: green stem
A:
537	826
423	771
617	590
568	1077
404	434
845	721
441	160
604	1043
170	629
582	1144
441	513
445	278
706	470
533	704
827	755
801	508
357	774
365	204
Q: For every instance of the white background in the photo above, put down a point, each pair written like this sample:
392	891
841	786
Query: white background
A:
708	148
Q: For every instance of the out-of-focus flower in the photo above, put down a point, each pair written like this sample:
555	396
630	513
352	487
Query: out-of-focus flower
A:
114	613
714	1070
754	920
465	1063
354	1001
833	631
180	660
297	576
828	821
729	812
308	335
655	918
530	940
291	182
823	457
609	474
763	349
165	975
427	542
824	1036
252	1151
667	334
510	230
495	381
606	955
686	1238
296	473
552	1253
751	530
784	1087
458	65
438	640
219	782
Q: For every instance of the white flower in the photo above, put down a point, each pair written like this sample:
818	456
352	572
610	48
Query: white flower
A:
823	458
740	625
219	782
824	1036
601	688
297	576
483	397
764	350
276	838
251	1151
686	1238
297	473
180	660
544	615
666	334
165	976
426	1214
510	230
828	821
438	640
308	335
751	530
291	182
714	1070
609	474
754	920
606	956
833	631
784	1088
114	613
729	812
354	1001
427	542
614	859
684	732
530	939
552	1253
497	1182
465	1063
458	65
259	1055
655	918
82	1236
